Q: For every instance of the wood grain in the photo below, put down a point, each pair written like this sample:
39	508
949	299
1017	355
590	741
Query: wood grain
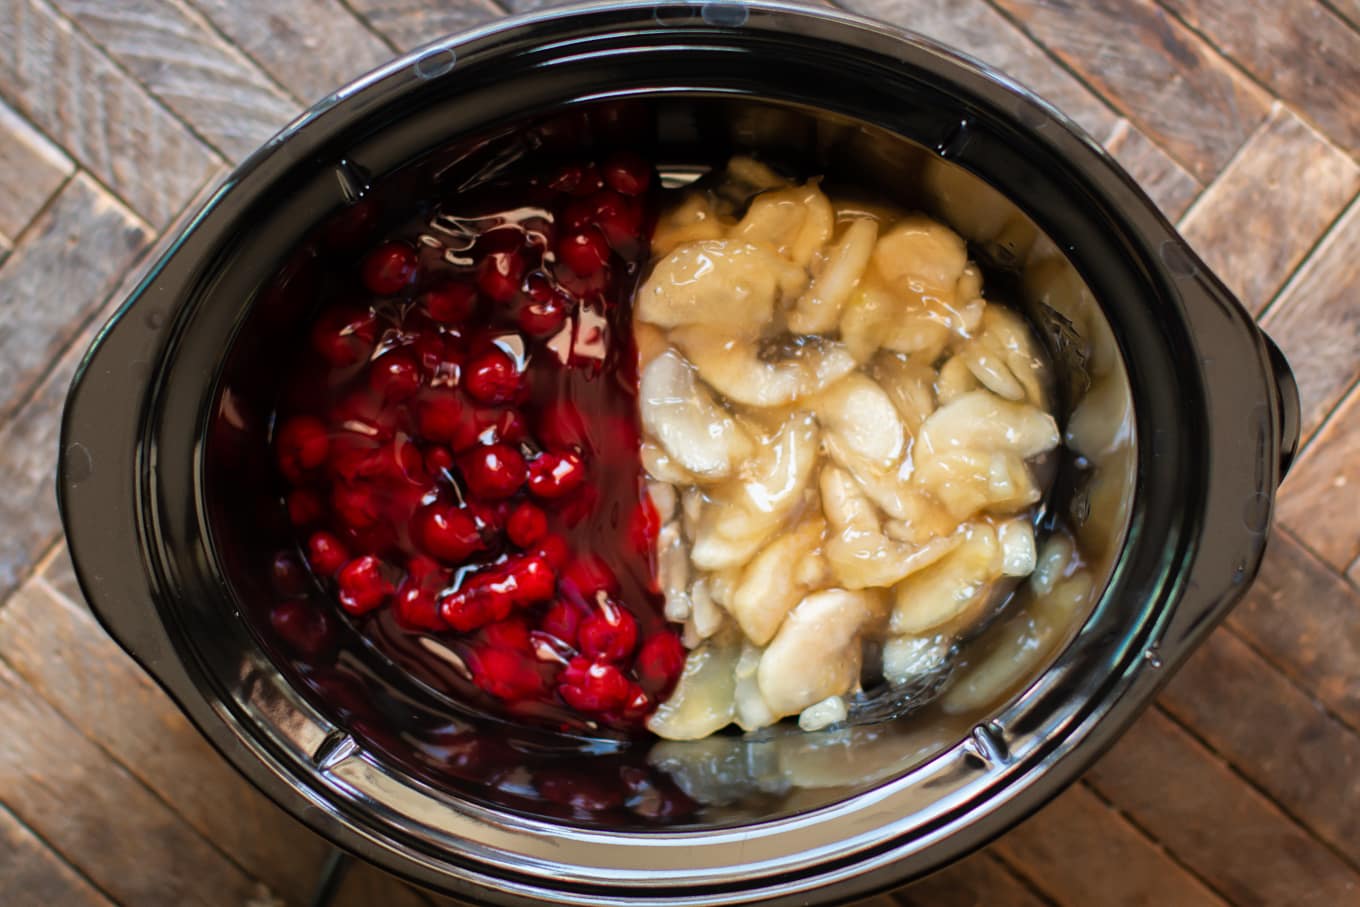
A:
1316	320
1229	834
32	875
1166	182
59	573
1304	52
101	117
411	23
70	259
977	881
1080	851
1154	70
1275	734
31	170
101	818
1349	10
67	659
209	84
311	47
1323	489
1265	211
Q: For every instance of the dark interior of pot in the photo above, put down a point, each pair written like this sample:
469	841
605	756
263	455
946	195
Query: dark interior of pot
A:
415	717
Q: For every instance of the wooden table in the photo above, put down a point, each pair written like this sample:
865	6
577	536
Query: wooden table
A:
1240	117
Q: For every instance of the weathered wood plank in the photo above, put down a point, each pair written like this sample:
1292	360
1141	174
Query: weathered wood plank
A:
57	78
31	875
311	47
1322	494
1265	211
1234	838
67	659
1316	320
99	817
1274	734
1304	52
1156	71
1080	851
1166	182
59	573
1306	620
411	23
31	169
208	83
977	881
55	279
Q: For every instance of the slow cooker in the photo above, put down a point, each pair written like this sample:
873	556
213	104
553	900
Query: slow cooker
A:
174	526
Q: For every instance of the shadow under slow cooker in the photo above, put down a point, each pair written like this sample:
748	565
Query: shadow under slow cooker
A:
403	725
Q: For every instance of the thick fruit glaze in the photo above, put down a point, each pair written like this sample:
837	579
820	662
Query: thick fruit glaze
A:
459	448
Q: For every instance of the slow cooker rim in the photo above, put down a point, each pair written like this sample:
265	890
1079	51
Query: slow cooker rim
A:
508	25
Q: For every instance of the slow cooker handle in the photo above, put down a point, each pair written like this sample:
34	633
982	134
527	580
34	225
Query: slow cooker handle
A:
1287	395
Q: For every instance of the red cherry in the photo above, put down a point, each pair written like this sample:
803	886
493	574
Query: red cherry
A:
450	303
438	461
610	634
356	505
554	475
575	508
561	621
389	268
534	580
659	663
627	173
301	444
447	533
325	553
511	633
362	585
350	226
493	377
344	335
493	472
546	311
555	550
593	686
304	506
561	425
500	273
354	456
506	674
586	577
575	179
439	415
302	626
585	251
471	608
416	608
288	577
644	526
395	376
527	525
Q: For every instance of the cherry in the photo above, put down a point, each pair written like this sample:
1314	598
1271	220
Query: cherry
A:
627	173
506	674
416	608
395	376
546	311
527	525
576	179
493	472
593	686
493	377
362	585
355	504
451	302
439	415
301	444
585	251
644	527
575	508
500	273
325	553
561	425
511	633
610	634
468	609
344	335
302	626
447	533
555	550
305	506
659	663
561	621
554	475
350	226
438	461
389	267
586	577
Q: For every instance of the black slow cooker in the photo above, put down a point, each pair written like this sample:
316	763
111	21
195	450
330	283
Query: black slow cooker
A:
1181	418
